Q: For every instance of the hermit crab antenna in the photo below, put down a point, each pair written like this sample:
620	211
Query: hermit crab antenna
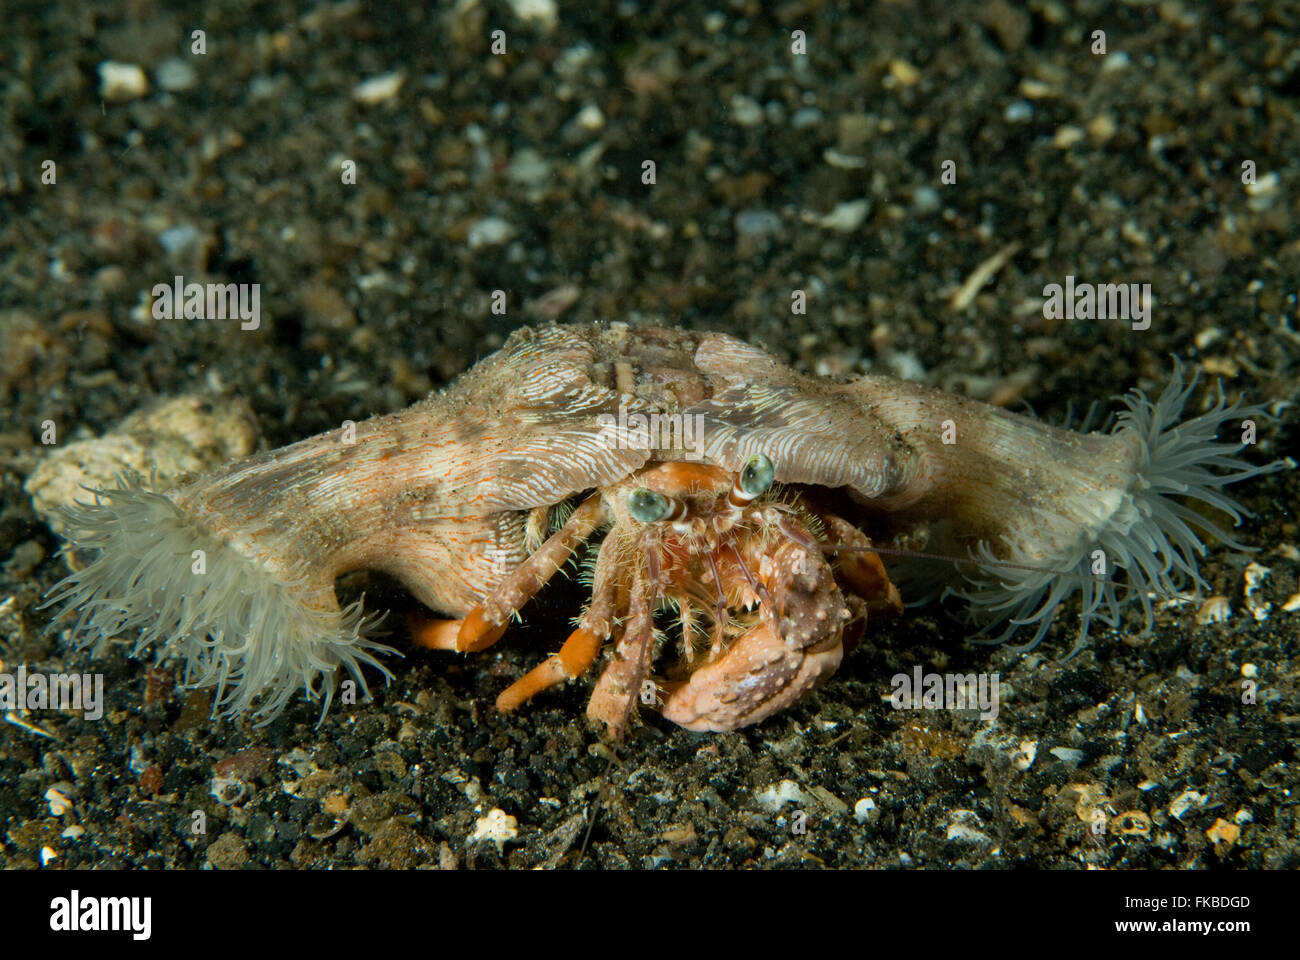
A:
721	612
760	590
946	558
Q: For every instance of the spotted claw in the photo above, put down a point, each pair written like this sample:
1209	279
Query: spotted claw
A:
797	644
760	675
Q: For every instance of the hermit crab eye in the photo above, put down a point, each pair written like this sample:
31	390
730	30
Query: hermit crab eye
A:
646	505
757	475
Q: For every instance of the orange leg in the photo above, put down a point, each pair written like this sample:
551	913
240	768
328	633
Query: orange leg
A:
486	623
578	653
434	634
582	647
451	634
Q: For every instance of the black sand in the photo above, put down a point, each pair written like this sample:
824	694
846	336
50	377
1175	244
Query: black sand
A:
372	294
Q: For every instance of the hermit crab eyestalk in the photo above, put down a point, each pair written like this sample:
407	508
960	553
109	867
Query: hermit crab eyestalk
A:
647	506
754	480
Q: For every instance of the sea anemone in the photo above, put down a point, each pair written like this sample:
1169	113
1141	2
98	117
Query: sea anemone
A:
1147	529
213	610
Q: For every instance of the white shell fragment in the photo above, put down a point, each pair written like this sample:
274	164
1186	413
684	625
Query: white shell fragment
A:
542	13
489	232
1024	756
1255	576
862	809
497	827
1214	610
846	217
59	803
119	82
1067	755
378	89
1187	800
779	794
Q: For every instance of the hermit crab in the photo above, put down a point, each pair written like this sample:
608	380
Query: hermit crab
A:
746	502
716	548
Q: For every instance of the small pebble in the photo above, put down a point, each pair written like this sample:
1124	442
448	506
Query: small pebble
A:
529	168
1102	127
497	827
1067	755
542	13
806	117
925	200
1115	61
1020	111
590	118
779	794
862	809
1263	192
1067	136
963	827
178	239
902	71
488	232
1187	800
59	804
1223	835
378	89
175	75
1035	89
119	82
746	111
757	223
846	217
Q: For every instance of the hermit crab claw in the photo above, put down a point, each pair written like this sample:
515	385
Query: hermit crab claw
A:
796	645
758	677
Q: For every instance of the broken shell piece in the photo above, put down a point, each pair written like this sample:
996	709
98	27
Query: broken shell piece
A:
229	791
1214	610
59	803
119	82
1292	603
1185	801
497	827
1223	835
1132	823
378	89
1255	576
1024	757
